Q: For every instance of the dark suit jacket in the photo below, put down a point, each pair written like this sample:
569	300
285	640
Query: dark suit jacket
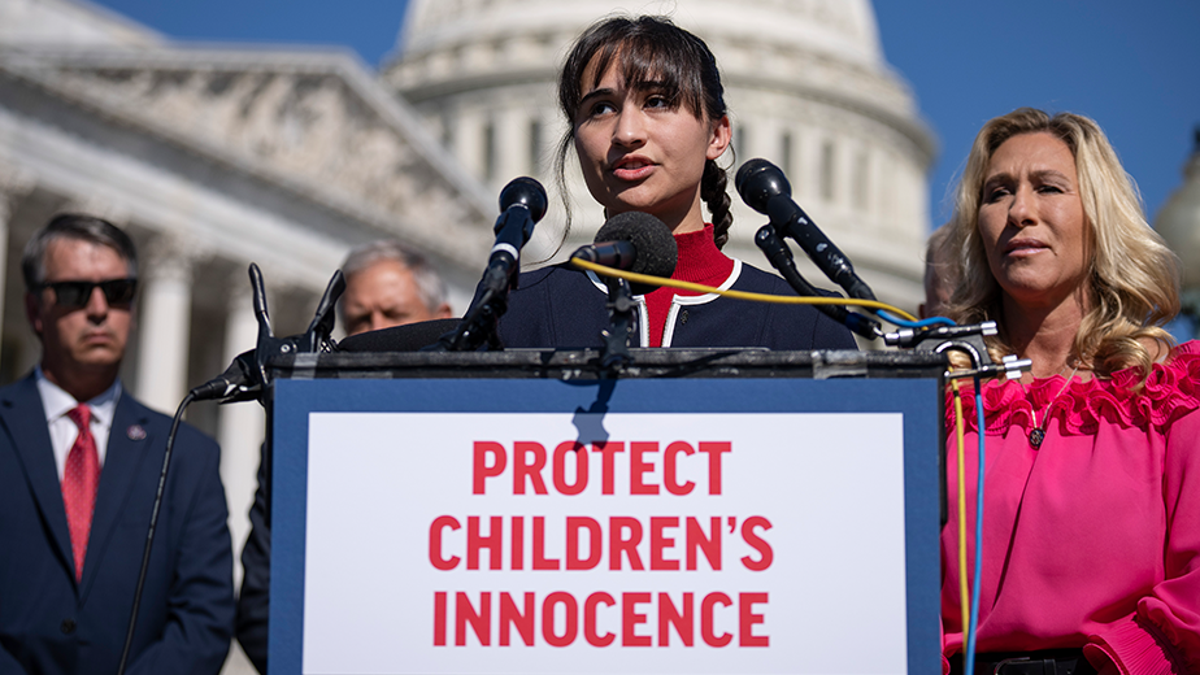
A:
51	625
254	602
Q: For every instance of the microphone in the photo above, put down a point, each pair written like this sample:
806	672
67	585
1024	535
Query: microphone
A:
765	189
781	259
246	378
522	204
637	242
237	383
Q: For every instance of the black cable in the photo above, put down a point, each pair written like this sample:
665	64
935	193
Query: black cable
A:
162	484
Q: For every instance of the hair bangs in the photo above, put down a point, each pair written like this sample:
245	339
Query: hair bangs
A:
651	55
647	64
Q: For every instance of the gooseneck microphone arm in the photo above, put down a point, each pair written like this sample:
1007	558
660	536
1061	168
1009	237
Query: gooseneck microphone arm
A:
316	338
765	189
522	204
247	377
781	259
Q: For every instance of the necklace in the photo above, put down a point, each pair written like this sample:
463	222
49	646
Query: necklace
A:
1038	433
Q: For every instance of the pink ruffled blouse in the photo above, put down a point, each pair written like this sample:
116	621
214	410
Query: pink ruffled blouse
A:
1093	539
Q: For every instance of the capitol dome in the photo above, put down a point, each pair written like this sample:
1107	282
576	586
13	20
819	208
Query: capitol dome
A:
1179	224
807	86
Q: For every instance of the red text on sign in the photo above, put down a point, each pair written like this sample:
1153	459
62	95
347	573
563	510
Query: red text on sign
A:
651	469
643	619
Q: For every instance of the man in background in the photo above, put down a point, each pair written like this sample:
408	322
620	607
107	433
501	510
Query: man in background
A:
388	284
80	461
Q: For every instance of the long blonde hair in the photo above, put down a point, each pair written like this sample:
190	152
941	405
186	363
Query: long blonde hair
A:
1133	278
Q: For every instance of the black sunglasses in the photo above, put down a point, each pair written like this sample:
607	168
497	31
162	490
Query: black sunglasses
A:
76	294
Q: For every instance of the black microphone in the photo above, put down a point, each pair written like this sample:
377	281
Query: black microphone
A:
637	242
522	204
246	378
239	382
619	254
765	189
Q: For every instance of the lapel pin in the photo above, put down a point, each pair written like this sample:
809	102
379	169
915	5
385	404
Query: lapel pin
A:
135	432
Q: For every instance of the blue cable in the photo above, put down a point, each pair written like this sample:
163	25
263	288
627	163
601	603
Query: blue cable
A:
969	660
904	323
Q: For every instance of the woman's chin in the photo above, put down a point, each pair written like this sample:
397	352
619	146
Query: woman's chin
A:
1036	293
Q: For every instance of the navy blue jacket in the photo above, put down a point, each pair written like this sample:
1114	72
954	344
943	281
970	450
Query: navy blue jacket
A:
563	307
51	625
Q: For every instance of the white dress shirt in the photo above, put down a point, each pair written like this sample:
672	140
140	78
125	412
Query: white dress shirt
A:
63	430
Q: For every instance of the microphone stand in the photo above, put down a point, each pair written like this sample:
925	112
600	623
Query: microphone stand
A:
522	205
246	379
316	339
479	325
615	353
781	259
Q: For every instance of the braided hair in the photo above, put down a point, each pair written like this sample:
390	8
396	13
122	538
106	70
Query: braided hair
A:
714	194
650	48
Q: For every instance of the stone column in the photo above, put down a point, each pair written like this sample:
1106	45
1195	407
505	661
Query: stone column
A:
241	426
511	145
8	206
165	284
14	185
469	141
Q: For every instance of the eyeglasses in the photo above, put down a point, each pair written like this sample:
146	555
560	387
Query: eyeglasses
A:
75	294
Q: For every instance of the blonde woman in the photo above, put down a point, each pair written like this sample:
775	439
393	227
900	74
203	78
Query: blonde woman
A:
1091	539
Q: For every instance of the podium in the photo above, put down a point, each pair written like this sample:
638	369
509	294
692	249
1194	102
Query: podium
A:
526	511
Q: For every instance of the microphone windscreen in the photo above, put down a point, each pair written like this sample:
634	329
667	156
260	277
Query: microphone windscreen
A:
410	337
657	252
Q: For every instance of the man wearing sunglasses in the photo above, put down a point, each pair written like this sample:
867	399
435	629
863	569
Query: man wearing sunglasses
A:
79	468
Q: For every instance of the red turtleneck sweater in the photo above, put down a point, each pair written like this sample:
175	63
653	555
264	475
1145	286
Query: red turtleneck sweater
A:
700	262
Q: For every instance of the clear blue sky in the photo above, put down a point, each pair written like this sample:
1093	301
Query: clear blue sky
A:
1131	66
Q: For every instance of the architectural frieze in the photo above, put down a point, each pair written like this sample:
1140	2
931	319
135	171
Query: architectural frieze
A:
312	124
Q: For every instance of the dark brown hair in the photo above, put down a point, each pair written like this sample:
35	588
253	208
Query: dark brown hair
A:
650	49
73	226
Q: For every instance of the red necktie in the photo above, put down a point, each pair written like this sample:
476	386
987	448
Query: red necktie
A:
80	479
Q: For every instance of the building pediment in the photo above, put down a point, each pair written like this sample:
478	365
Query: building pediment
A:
315	122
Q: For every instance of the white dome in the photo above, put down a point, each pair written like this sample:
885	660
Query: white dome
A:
1179	221
843	29
449	46
806	84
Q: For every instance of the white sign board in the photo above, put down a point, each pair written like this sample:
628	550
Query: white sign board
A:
679	543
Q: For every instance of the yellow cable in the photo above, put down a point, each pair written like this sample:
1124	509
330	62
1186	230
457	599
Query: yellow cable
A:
741	295
963	589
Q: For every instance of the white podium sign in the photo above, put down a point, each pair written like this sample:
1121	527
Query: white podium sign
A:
547	542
